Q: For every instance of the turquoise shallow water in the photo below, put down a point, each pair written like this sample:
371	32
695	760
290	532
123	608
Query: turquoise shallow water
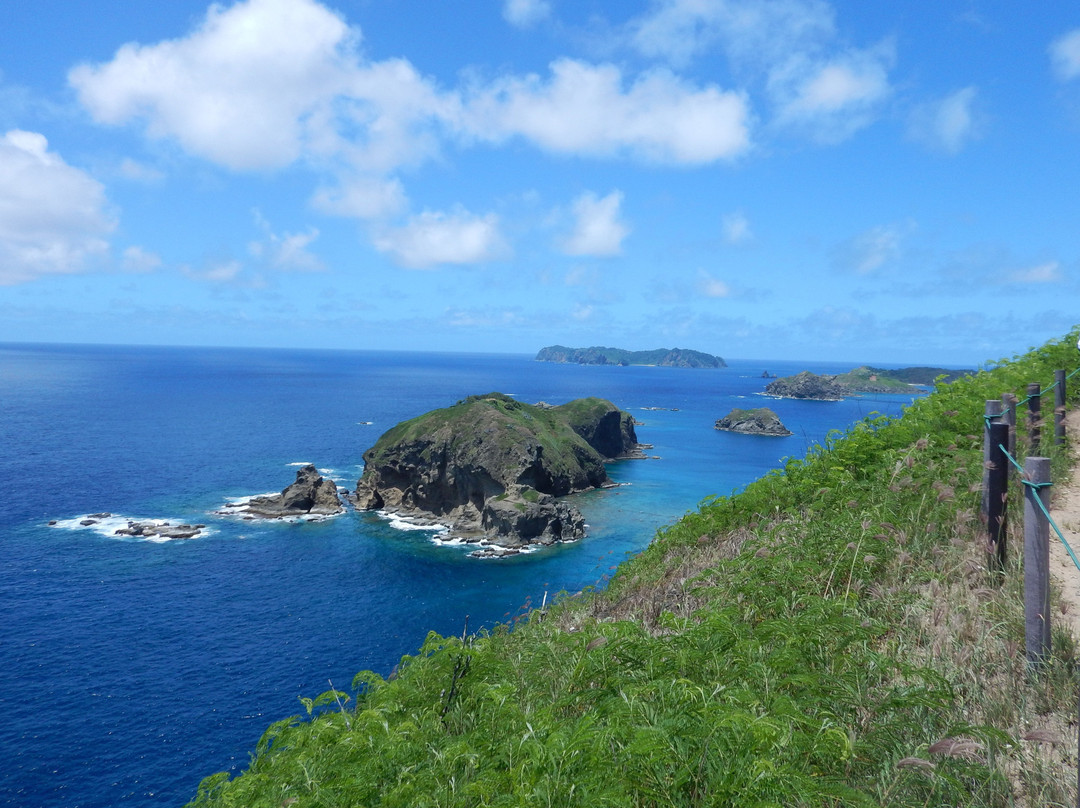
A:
130	669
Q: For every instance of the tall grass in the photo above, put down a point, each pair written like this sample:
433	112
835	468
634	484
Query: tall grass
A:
831	636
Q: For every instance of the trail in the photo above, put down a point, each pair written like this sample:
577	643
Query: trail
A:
1065	510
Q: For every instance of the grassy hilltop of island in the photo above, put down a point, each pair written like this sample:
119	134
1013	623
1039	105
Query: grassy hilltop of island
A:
660	357
830	636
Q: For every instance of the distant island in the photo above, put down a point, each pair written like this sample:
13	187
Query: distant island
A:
823	387
760	421
489	469
660	357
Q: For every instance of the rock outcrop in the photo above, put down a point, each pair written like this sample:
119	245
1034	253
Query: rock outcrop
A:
806	385
490	468
760	421
311	495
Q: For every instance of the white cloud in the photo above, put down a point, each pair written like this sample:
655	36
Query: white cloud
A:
872	249
817	84
52	216
736	228
288	251
598	229
831	100
525	13
136	259
239	90
221	272
712	287
1065	55
948	124
1050	272
585	109
751	31
433	237
362	197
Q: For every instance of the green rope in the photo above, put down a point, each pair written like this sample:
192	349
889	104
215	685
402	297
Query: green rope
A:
1039	502
1046	513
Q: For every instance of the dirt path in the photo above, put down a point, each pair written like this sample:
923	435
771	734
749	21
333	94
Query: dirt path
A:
1065	510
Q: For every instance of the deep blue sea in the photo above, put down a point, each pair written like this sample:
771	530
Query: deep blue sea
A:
130	669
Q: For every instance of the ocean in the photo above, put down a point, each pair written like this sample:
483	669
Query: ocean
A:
132	668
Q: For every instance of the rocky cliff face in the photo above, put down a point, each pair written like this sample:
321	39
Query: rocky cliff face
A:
310	495
806	385
490	467
760	421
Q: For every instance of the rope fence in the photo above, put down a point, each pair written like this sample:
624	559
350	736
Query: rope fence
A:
1000	464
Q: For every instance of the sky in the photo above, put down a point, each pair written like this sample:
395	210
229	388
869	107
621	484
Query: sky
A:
848	181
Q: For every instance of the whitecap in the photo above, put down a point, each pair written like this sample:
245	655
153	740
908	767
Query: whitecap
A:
108	526
300	464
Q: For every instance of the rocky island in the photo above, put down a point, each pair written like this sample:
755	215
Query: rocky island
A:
660	357
863	379
311	495
490	468
760	421
806	385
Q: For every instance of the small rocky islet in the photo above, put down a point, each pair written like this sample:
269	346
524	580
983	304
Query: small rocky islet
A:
758	421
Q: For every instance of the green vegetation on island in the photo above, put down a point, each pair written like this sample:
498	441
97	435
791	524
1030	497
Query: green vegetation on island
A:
758	421
660	357
825	387
490	467
830	636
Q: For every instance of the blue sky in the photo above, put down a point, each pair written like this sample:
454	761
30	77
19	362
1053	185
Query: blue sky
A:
878	182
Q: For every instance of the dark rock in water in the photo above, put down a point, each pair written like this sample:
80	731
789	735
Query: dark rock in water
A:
163	530
490	467
88	522
760	421
311	494
103	515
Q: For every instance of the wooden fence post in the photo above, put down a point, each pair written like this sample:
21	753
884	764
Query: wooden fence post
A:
997	490
993	415
1034	391
1009	401
1059	407
1036	560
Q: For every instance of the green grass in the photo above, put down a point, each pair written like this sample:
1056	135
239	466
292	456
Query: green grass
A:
829	637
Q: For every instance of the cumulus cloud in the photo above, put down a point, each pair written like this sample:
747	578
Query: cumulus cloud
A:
362	197
287	251
434	237
525	13
598	230
947	124
736	228
872	249
817	84
1049	272
240	90
712	287
833	99
136	259
53	216
1065	55
588	109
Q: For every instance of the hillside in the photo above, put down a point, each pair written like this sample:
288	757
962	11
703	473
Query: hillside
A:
660	357
828	637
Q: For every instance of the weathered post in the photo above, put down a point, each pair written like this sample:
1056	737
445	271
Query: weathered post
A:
1059	407
1034	391
1009	401
993	415
997	490
1036	559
